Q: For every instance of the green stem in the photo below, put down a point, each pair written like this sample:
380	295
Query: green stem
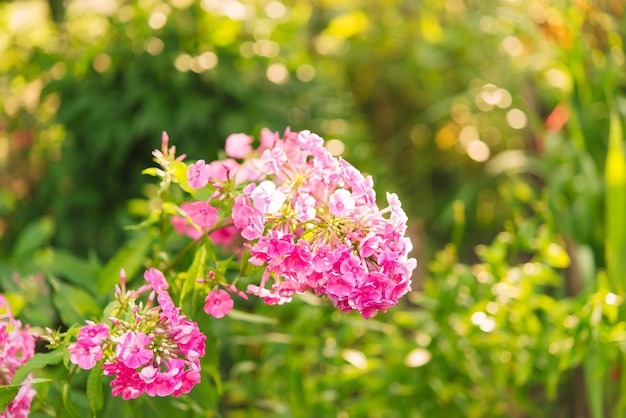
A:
66	385
193	244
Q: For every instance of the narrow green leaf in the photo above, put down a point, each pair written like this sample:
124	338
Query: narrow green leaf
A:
94	388
74	304
196	271
214	372
153	171
38	361
594	383
615	178
7	394
66	396
37	234
64	264
252	318
130	258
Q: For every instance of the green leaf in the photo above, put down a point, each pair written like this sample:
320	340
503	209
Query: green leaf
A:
179	170
252	318
74	304
615	178
37	234
214	372
196	271
7	394
64	264
130	258
36	362
66	395
94	388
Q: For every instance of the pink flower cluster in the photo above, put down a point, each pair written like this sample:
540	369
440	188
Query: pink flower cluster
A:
148	349
311	220
17	346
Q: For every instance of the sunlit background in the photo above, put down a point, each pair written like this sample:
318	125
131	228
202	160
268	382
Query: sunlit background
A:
489	118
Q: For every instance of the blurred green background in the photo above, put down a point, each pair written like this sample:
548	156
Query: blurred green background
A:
498	123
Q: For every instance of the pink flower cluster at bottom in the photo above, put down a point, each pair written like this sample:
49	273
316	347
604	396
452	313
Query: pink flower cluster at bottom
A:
157	352
17	346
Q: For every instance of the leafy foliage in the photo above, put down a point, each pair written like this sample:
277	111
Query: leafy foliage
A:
497	122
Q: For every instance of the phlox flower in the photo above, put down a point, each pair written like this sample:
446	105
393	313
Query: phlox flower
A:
131	349
93	334
198	174
273	160
17	346
267	198
202	214
238	145
83	355
218	303
341	203
156	279
185	226
146	349
312	222
305	207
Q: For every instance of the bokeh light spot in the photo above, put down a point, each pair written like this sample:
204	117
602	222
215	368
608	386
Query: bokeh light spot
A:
305	72
157	20
101	62
277	73
275	10
478	151
516	119
335	147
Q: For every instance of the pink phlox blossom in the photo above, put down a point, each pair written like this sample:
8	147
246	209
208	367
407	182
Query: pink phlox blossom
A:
299	259
325	257
19	407
248	171
341	203
270	297
340	285
202	214
309	141
127	381
84	355
273	245
188	379
17	346
238	145
223	170
163	383
267	198
184	226
369	244
198	174
228	238
158	353
168	308
273	160
131	349
242	210
223	236
93	334
191	342
218	303
233	289
156	279
268	139
305	207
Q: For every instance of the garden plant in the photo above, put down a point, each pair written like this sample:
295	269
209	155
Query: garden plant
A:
265	273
